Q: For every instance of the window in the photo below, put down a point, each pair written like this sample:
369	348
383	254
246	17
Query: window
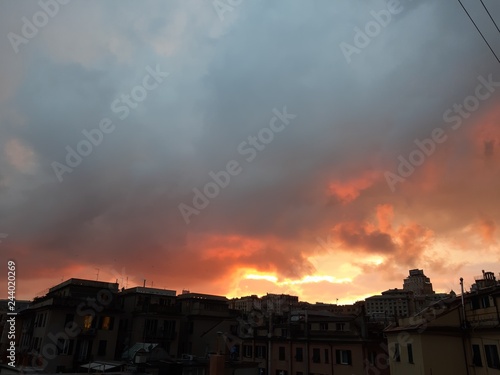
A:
323	326
340	326
397	353
107	323
299	354
169	327
485	302
87	322
69	319
85	350
474	303
103	298
40	320
65	347
372	357
316	355
281	353
343	357
247	351
409	347
492	356
327	356
476	356
260	351
151	325
37	342
123	324
101	350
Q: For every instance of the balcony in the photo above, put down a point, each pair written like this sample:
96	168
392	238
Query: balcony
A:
160	335
156	309
89	332
483	317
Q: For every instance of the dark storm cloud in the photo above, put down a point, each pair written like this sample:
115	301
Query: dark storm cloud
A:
121	202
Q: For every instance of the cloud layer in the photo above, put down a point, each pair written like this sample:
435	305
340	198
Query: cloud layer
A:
312	212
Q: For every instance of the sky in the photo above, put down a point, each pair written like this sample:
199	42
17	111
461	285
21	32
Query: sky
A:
237	147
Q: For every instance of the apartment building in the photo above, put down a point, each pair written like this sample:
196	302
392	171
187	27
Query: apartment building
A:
150	318
205	319
73	324
459	336
418	283
390	304
312	342
246	304
278	303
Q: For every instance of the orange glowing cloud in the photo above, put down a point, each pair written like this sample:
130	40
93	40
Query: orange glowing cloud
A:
406	242
348	191
486	228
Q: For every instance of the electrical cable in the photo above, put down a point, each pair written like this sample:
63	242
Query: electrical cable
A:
489	14
479	31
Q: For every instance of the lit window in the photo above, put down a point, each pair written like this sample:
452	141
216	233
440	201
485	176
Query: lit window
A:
105	322
87	321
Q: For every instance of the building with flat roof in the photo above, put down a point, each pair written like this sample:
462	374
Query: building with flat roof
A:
73	324
149	315
246	304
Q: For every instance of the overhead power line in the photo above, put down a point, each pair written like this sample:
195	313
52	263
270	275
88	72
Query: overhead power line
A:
489	14
479	31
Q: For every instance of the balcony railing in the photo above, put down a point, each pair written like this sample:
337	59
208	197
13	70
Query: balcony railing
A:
160	334
88	332
158	309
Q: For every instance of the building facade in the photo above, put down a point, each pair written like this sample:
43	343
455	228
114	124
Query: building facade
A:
459	336
74	324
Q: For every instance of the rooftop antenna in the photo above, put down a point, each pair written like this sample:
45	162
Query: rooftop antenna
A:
126	284
463	304
97	274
